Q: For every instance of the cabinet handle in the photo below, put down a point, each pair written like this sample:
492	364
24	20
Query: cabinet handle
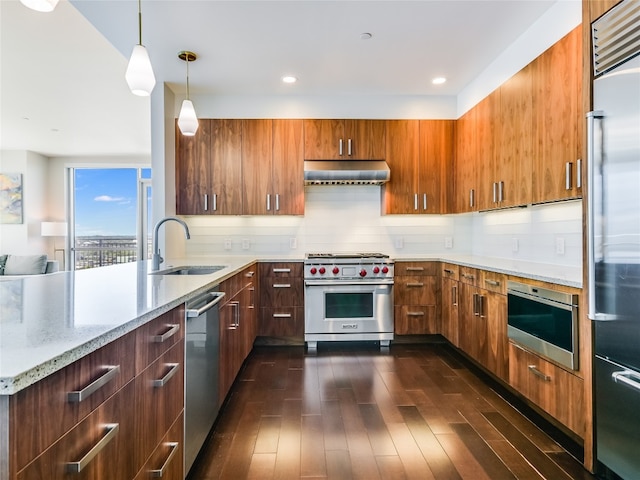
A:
340	147
206	202
450	272
281	285
415	284
281	270
579	174
415	314
495	193
567	175
349	149
172	371
415	269
533	369
468	275
172	452
167	335
630	379
277	202
215	202
236	314
493	283
252	302
415	201
249	274
454	296
77	467
501	191
481	300
78	396
471	197
424	201
268	202
281	315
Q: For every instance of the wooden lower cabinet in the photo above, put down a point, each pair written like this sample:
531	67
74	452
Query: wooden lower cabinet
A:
552	388
166	461
282	300
450	297
416	292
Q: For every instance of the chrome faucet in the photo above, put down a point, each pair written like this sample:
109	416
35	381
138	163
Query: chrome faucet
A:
156	258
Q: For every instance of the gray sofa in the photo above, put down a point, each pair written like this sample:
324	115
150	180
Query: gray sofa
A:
27	265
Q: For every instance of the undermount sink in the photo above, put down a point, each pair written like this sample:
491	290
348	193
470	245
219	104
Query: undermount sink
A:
190	270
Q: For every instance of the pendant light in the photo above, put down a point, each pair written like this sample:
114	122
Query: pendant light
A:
40	5
187	120
139	75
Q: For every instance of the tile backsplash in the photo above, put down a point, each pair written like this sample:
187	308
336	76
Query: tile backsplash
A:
347	219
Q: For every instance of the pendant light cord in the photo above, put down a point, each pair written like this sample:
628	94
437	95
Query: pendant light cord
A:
139	22
187	76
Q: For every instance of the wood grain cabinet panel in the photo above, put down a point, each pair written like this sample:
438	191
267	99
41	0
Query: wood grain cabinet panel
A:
193	170
450	293
257	170
466	160
281	300
157	336
166	461
403	153
350	139
416	293
288	167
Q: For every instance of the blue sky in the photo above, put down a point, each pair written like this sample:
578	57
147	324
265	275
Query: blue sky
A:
106	201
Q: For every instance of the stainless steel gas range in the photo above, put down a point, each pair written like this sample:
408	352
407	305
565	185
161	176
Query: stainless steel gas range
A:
348	297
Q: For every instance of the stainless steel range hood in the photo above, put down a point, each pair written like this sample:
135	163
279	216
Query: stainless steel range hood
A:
346	172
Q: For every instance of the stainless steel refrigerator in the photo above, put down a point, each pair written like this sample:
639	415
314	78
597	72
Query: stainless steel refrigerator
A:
614	237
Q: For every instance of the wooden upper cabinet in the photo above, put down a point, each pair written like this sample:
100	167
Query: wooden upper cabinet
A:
465	190
193	170
516	148
435	166
226	167
558	120
288	167
489	172
403	153
597	8
344	139
257	140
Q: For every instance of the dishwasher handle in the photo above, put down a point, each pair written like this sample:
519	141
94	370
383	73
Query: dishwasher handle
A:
196	312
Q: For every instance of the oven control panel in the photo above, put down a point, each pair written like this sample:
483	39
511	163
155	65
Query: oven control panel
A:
322	270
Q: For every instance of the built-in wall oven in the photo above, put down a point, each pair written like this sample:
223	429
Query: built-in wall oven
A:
348	297
544	321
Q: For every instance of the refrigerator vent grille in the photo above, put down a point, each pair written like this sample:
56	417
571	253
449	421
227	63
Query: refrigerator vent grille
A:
616	36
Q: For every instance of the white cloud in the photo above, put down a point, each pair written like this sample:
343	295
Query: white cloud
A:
108	198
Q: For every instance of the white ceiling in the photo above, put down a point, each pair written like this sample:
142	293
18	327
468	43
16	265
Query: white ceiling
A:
58	71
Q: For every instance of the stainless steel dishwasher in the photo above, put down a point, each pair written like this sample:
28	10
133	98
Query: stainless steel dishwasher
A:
201	369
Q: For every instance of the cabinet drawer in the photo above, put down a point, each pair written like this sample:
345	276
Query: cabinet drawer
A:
115	457
158	336
68	396
416	319
449	270
494	282
281	270
286	292
469	275
553	389
281	322
416	290
416	268
166	460
159	398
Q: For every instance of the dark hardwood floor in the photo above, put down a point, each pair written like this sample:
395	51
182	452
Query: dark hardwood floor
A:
353	412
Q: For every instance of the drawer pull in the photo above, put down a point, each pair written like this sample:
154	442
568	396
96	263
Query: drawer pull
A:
450	272
167	335
249	274
415	314
533	369
281	315
454	296
160	472
493	283
415	269
78	396
172	371
77	467
468	275
281	270
281	285
415	284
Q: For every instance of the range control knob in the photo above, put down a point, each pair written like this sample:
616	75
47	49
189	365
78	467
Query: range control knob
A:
363	273
385	269
335	270
313	270
322	270
376	270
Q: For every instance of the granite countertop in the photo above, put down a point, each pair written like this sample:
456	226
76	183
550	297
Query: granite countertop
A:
50	321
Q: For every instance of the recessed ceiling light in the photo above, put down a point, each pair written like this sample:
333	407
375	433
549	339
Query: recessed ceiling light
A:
289	79
438	80
365	36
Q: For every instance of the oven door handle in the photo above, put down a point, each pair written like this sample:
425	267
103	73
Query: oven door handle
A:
321	283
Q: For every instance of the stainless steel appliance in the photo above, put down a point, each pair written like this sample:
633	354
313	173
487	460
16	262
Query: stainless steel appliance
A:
346	172
348	297
201	370
614	236
544	321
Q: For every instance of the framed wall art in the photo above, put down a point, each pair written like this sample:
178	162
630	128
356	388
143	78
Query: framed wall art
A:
10	198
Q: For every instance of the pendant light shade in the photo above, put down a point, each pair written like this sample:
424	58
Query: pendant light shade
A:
40	5
139	74
187	120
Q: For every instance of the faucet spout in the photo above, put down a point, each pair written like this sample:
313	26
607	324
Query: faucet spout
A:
156	258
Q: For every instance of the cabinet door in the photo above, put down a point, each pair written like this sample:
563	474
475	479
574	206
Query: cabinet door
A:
322	140
403	144
558	119
226	167
288	167
416	319
167	457
489	172
450	299
192	171
467	319
516	134
365	139
497	351
465	164
415	290
257	140
435	166
282	322
231	345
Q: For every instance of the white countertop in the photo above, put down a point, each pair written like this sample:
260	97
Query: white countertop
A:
50	321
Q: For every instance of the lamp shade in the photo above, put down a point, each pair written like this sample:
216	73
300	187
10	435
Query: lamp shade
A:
54	229
40	5
188	121
139	75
